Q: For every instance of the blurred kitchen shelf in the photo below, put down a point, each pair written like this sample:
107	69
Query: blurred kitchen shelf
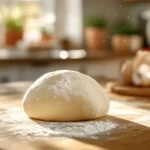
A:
18	57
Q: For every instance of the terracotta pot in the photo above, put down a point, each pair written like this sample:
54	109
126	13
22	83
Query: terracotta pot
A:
12	37
125	43
46	37
95	38
136	42
121	43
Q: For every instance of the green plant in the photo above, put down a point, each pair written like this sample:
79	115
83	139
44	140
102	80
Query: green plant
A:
124	28
45	30
13	23
97	22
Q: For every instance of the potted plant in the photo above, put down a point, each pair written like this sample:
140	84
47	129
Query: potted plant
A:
14	30
95	33
46	40
136	40
126	38
47	35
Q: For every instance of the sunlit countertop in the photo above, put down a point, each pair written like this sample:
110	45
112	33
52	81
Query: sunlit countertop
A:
127	125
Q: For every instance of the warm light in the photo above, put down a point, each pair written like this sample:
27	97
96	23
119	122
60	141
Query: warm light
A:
32	33
63	54
1	18
47	20
16	13
4	53
76	54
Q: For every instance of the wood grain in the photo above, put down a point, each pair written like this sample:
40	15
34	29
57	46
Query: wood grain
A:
131	114
119	88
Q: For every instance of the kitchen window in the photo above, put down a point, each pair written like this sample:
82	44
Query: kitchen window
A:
38	16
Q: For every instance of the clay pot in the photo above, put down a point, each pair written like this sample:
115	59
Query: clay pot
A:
121	43
136	42
95	38
47	37
127	70
12	37
126	43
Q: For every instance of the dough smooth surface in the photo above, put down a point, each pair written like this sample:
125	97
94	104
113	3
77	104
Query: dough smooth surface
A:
65	96
127	70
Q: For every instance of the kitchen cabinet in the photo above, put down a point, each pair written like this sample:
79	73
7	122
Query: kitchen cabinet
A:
29	72
17	68
9	74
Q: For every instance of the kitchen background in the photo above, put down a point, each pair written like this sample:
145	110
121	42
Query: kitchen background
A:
91	36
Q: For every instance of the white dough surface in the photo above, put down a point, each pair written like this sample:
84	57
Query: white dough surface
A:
65	96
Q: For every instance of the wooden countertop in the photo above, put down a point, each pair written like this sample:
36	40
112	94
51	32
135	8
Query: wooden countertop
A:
127	126
15	57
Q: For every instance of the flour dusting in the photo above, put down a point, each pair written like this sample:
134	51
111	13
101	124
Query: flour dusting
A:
18	124
21	125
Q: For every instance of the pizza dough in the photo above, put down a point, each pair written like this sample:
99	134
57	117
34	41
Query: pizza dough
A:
141	69
137	71
141	77
65	96
127	70
142	57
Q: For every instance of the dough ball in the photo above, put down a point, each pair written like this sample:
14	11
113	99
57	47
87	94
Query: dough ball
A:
65	96
127	70
142	57
141	69
141	77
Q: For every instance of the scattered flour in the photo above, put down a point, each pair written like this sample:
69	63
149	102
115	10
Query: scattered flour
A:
16	123
20	125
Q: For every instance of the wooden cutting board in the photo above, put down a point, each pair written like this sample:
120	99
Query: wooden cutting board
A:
119	88
125	127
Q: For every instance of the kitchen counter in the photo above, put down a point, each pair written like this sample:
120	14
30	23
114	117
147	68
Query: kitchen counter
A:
127	126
